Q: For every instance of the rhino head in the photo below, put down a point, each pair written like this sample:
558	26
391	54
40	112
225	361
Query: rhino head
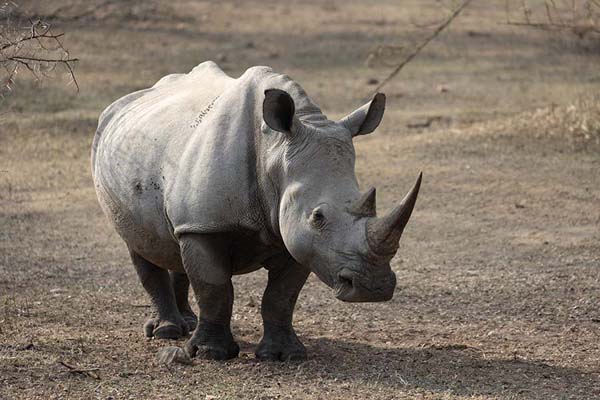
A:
324	221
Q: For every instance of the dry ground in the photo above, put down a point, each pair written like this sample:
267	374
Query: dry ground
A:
498	274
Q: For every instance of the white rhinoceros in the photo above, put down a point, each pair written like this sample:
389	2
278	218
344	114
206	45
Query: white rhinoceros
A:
205	176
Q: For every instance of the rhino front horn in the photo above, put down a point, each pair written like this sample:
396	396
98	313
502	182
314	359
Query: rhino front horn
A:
384	233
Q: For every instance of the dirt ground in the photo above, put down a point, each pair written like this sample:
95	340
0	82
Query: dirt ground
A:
498	271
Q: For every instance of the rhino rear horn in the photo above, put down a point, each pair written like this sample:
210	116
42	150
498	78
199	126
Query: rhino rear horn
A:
367	118
278	110
384	233
366	206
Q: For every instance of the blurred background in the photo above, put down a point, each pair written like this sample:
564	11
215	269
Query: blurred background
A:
498	270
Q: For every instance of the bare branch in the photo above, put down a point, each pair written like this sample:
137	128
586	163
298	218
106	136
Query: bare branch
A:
30	44
578	17
42	60
424	43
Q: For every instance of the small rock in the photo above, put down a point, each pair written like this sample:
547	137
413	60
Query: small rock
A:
221	57
372	81
173	354
57	292
519	205
443	88
423	122
478	34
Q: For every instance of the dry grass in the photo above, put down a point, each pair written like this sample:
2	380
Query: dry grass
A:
577	123
578	17
498	285
571	127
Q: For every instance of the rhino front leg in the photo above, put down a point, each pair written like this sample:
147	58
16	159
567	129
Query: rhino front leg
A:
206	259
168	323
279	342
181	287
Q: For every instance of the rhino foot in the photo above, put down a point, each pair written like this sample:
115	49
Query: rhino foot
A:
280	344
212	341
166	329
212	350
190	319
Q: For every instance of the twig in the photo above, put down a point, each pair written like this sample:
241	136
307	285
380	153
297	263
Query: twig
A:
41	59
34	36
579	19
168	368
555	27
381	52
422	45
83	371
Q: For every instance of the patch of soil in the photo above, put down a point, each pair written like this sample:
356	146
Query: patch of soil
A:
498	279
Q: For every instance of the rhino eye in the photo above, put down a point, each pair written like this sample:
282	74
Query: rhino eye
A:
317	218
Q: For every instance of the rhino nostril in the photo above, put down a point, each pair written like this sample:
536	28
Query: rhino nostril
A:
346	277
345	281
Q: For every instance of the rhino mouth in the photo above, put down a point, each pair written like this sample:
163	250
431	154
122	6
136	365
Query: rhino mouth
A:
351	286
344	289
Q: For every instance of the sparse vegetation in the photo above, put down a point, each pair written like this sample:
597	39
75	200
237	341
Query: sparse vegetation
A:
29	44
579	17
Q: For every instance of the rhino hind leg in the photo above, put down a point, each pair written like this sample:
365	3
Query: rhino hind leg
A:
168	322
279	342
181	287
207	262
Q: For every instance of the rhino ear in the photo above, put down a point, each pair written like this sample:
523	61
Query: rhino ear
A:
278	110
367	118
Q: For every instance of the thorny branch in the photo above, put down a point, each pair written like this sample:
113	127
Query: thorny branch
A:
424	43
30	44
580	17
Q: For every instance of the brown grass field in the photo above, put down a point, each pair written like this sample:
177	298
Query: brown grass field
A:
499	269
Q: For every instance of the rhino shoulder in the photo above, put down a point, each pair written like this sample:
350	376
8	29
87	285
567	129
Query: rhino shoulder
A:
171	78
206	67
257	72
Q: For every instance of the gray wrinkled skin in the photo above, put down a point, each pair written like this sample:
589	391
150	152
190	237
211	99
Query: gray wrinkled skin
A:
205	176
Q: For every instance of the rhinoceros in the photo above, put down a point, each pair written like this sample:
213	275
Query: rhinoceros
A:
205	176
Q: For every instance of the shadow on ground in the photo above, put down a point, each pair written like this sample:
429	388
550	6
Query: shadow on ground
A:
455	369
